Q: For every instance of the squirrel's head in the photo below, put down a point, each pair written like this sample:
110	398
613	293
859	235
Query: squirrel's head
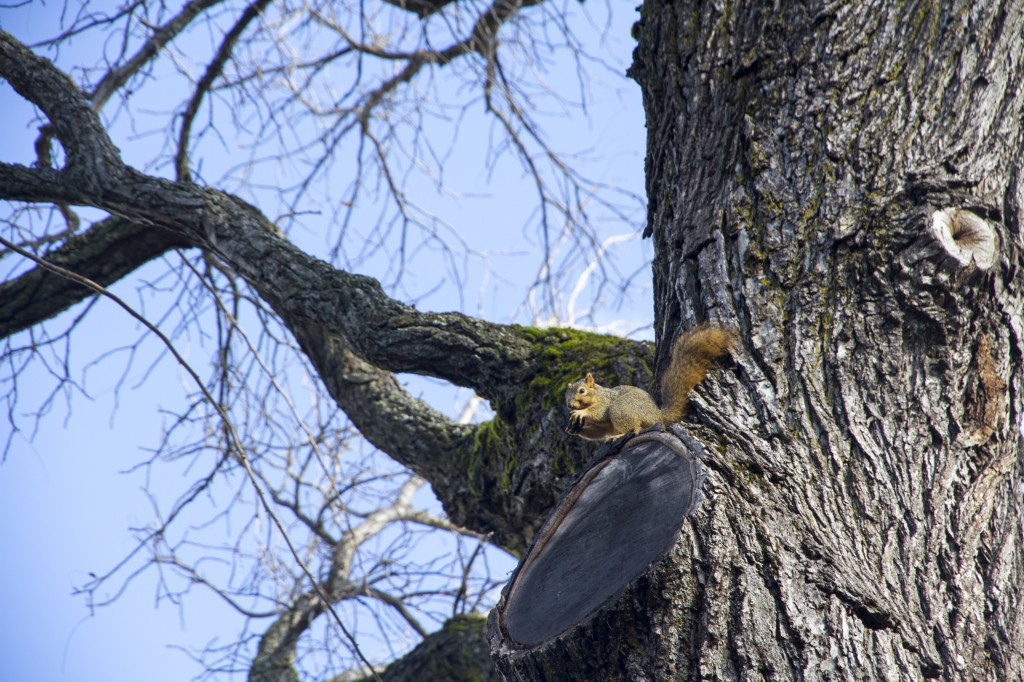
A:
581	395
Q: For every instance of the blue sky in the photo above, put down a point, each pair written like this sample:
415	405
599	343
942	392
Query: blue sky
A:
66	503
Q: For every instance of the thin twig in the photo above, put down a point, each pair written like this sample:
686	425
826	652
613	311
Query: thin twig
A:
235	440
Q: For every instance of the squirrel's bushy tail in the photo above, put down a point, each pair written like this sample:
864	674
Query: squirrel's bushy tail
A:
692	355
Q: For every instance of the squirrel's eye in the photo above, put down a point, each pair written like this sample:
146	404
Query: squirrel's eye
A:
582	390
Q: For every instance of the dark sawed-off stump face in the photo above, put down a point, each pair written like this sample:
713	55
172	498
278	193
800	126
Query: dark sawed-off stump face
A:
619	518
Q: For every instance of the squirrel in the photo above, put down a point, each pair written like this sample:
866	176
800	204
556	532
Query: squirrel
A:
599	413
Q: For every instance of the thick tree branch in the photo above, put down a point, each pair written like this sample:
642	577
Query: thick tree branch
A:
391	335
108	251
356	335
458	652
90	153
450	455
116	78
33	185
424	8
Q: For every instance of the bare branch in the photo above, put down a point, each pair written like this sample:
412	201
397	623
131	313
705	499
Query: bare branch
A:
91	154
108	251
317	594
117	78
288	108
213	70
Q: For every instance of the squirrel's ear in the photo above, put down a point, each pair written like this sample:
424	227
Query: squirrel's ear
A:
589	379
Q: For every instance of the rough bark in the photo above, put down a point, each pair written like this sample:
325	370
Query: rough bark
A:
829	178
866	519
457	652
863	515
105	253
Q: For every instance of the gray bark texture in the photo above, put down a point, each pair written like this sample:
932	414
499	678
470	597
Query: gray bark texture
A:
842	182
456	653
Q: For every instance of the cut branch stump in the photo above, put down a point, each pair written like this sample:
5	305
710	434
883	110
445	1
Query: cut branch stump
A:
607	533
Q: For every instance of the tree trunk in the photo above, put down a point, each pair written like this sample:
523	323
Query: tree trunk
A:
843	183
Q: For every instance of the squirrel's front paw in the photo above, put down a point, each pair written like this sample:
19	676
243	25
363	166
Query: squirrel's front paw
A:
576	422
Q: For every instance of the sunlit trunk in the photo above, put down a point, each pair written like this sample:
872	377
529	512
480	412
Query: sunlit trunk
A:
843	184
